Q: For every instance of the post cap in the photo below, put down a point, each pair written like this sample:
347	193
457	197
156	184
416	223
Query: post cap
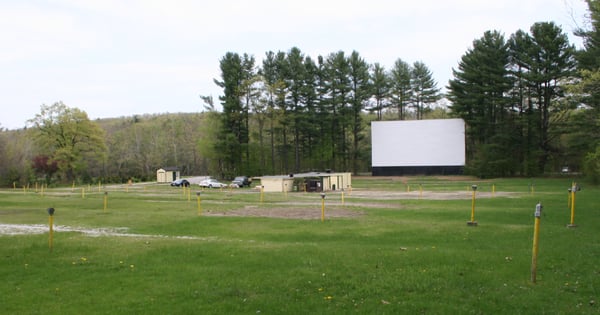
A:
538	210
323	195
198	193
51	211
474	187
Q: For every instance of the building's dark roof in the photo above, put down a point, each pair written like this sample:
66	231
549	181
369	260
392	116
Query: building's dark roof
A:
171	168
305	175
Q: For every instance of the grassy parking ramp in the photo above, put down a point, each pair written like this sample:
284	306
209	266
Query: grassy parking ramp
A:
388	246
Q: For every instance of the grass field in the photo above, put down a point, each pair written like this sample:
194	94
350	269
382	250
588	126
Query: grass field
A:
389	246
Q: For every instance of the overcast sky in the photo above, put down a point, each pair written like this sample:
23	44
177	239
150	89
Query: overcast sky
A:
113	58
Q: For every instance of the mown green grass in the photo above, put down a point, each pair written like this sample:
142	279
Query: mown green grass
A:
400	256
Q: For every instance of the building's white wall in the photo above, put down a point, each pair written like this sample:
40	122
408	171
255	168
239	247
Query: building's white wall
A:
281	183
276	184
161	176
434	142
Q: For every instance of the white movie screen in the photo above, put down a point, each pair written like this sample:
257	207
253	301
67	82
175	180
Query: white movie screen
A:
435	142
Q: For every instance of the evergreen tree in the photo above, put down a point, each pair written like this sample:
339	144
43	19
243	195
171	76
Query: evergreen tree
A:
326	119
401	89
582	139
234	133
295	82
337	83
381	88
275	88
551	62
249	95
521	50
360	94
478	94
423	87
311	121
589	57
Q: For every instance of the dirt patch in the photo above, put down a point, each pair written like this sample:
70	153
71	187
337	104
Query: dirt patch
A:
405	179
27	229
305	213
429	195
20	229
335	208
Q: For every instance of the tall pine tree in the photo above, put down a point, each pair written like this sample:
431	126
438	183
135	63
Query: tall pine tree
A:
478	94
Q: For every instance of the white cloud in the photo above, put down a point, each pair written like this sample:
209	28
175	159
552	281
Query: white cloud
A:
115	58
29	32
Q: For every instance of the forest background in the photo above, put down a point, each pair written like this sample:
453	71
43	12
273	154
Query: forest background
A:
530	100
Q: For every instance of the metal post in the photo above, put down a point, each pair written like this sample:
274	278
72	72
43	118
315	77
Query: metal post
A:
105	200
531	188
51	226
322	207
573	192
262	192
199	206
473	206
473	222
536	230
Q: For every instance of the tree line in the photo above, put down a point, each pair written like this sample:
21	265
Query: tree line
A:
74	148
530	101
294	113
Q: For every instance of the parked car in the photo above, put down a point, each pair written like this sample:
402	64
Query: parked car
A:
180	182
212	183
240	181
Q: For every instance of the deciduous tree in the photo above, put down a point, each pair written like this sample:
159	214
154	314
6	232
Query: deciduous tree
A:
69	138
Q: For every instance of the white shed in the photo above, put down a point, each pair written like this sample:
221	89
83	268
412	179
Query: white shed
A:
167	174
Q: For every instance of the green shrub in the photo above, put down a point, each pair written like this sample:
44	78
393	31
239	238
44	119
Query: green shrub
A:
591	166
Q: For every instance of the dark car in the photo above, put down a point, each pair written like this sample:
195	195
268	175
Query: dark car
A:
180	182
241	181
